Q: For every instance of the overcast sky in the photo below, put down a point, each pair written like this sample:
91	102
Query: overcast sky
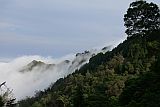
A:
59	27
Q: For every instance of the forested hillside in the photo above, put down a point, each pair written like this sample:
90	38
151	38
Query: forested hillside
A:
127	76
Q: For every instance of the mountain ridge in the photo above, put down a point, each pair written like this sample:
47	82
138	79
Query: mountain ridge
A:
76	63
103	81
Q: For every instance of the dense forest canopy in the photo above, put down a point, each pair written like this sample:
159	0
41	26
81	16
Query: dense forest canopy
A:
127	76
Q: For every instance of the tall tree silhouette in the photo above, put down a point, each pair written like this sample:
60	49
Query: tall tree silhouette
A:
142	18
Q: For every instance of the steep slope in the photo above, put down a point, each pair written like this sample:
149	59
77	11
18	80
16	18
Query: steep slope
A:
39	72
126	76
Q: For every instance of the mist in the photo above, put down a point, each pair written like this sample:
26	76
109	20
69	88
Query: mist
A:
27	74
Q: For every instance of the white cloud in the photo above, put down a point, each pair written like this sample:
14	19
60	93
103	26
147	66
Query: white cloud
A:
40	77
54	24
25	84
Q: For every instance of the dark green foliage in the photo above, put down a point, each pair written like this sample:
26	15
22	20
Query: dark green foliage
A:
127	76
96	100
1	102
95	61
78	99
142	18
143	91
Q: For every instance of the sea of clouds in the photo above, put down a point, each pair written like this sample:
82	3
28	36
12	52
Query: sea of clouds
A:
26	83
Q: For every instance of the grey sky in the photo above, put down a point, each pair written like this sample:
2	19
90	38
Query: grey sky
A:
59	27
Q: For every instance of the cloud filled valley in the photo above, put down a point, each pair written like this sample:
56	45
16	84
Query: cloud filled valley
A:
28	74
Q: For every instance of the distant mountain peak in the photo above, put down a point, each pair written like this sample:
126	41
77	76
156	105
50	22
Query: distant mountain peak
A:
37	65
69	65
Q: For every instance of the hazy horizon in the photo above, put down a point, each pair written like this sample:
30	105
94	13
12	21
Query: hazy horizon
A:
59	27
